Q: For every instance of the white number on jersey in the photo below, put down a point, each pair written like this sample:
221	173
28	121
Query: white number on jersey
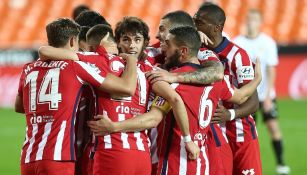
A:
205	105
49	95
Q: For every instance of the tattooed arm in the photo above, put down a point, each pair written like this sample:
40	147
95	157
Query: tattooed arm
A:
212	71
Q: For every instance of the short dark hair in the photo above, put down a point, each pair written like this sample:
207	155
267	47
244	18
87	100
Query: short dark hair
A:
82	34
179	18
90	18
60	31
215	13
79	9
98	32
187	36
133	25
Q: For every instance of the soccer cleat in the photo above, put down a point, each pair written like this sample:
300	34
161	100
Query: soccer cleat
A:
282	170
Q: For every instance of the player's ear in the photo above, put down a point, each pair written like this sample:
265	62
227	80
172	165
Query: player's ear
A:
71	42
184	50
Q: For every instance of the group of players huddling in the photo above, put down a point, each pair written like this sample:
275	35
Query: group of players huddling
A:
103	102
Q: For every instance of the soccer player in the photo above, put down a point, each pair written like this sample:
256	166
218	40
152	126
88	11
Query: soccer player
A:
260	45
182	45
132	37
241	131
48	94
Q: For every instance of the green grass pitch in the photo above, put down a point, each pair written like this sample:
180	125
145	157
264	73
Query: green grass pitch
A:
293	121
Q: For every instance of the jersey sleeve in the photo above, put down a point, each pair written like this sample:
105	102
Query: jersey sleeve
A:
242	67
85	73
227	89
162	104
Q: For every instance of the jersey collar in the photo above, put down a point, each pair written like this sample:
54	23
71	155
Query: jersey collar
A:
222	46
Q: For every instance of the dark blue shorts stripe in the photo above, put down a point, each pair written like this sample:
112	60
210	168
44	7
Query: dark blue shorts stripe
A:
216	138
252	126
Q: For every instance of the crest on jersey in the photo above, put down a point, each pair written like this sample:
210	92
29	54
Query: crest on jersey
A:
206	54
160	101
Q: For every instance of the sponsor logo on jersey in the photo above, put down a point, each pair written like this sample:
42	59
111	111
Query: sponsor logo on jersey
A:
41	119
123	109
94	67
246	73
248	172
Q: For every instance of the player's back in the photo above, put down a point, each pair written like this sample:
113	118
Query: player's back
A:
51	93
200	102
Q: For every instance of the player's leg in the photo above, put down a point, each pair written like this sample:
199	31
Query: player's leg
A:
270	119
246	158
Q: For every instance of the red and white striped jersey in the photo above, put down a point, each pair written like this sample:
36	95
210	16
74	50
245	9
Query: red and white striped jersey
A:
119	109
51	93
239	69
200	102
217	132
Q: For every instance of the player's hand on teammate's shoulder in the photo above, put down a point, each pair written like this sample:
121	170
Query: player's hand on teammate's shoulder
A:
221	115
102	126
159	74
193	150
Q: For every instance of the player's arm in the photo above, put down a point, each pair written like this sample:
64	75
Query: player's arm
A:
244	74
164	90
242	94
52	53
104	125
212	71
19	104
124	85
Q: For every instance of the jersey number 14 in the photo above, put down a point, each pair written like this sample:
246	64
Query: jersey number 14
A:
49	95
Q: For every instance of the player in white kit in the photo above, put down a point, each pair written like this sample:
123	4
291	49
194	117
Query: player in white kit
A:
260	45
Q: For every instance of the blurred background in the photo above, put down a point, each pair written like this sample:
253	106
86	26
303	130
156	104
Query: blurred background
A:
22	31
